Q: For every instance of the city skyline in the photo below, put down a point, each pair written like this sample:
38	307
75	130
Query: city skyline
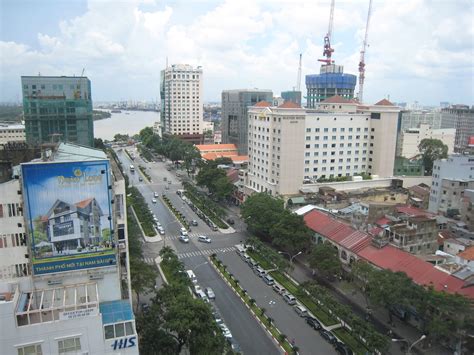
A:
239	44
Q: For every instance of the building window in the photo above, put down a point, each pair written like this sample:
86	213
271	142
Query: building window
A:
70	345
30	350
120	329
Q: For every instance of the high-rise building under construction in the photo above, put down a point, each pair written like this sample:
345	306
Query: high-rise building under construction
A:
329	82
58	106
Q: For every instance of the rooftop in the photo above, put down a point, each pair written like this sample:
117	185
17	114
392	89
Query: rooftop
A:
467	254
384	102
336	99
262	104
289	104
69	151
216	147
116	311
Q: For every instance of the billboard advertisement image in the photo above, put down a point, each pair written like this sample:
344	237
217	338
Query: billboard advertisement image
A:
69	215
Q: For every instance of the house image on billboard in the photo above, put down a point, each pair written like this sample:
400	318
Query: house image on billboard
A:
73	227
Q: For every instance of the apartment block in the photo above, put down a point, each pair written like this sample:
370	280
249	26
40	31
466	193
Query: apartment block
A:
410	139
12	133
289	146
461	117
450	177
58	108
181	102
234	115
416	235
64	268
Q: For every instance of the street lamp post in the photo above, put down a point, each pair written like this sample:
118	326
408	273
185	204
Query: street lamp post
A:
412	345
291	257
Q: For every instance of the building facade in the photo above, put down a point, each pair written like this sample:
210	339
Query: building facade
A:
234	115
60	297
293	96
181	102
416	235
58	109
411	138
330	81
461	117
289	146
12	133
455	167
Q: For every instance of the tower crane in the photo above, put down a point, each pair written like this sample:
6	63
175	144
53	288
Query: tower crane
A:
298	78
360	95
327	39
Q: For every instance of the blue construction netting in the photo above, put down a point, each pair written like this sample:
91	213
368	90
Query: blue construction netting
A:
331	80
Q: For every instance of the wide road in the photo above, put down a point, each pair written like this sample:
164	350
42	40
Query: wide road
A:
251	337
285	318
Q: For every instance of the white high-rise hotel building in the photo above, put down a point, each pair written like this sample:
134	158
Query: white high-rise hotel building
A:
181	100
289	145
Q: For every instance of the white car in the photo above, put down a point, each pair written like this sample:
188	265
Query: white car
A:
184	238
184	231
153	200
197	289
210	293
204	239
161	230
155	194
225	331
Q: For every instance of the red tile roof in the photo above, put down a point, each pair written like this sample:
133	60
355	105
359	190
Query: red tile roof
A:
336	99
382	221
420	271
467	254
413	211
262	104
84	203
420	190
375	231
289	104
384	102
215	147
337	231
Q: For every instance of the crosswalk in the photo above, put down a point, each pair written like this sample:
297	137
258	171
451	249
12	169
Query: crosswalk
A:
193	235
205	252
148	260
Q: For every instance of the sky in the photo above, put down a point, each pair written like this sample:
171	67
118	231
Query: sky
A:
419	50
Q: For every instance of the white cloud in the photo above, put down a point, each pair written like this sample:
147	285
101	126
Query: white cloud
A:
123	46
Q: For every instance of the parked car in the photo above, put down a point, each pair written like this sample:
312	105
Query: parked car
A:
252	263
210	293
140	178
155	194
279	289
204	239
214	227
184	238
230	221
343	349
328	336
153	200
217	317
313	323
289	298
268	280
259	271
197	289
225	331
161	230
301	311
194	223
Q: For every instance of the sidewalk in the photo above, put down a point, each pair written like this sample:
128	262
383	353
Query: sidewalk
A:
379	316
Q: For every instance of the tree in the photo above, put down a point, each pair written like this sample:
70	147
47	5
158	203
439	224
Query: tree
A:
145	133
121	137
290	233
431	150
362	273
325	258
142	276
99	143
261	212
191	156
223	188
208	176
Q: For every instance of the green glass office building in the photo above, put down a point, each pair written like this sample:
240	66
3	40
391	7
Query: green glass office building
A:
57	108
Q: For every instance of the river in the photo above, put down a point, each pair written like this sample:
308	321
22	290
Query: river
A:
127	122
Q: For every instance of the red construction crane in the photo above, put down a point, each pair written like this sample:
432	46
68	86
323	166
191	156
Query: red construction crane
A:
327	39
360	95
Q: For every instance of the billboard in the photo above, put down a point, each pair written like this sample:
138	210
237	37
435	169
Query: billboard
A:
69	215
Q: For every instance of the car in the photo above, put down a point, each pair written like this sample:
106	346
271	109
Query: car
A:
214	227
289	298
153	200
197	288
230	221
268	280
234	346
279	289
252	263
145	307
204	239
183	231
155	194
194	223
169	182
328	336
210	293
313	323
184	238
225	331
201	295
342	348
140	178
301	311
217	317
167	187
259	271
161	230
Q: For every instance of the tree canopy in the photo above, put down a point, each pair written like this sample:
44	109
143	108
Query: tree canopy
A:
431	150
324	257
